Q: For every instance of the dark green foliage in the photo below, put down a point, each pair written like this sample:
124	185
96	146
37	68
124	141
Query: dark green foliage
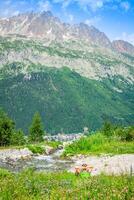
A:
108	129
6	129
36	131
66	100
125	134
129	133
18	138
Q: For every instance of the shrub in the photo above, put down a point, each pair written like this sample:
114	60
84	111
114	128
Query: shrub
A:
53	144
130	134
36	149
18	138
122	133
125	134
108	129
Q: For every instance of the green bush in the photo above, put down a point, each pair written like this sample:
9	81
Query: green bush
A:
130	134
53	144
18	138
122	133
125	134
108	129
36	149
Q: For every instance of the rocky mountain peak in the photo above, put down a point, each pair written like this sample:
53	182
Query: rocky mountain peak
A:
45	25
47	14
123	46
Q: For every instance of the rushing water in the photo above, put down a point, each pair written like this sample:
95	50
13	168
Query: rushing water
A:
51	162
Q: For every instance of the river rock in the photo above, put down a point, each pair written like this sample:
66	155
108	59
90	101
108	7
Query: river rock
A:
60	147
12	155
49	150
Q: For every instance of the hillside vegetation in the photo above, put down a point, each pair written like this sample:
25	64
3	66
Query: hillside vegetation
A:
65	100
71	83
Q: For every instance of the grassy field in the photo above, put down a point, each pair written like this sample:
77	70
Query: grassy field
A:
98	144
31	185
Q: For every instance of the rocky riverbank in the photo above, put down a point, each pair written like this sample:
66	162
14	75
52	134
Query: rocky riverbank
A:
15	154
18	159
107	164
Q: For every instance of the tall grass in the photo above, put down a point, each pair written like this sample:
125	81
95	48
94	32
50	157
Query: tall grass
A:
97	144
31	185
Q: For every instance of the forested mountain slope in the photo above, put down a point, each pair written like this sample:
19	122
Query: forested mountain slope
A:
72	74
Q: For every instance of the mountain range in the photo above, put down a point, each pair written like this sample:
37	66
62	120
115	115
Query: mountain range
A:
72	74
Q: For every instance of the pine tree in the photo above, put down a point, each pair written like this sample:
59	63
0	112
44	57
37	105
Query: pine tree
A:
6	128
36	131
18	138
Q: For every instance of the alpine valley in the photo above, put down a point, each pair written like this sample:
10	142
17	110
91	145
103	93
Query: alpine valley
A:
72	74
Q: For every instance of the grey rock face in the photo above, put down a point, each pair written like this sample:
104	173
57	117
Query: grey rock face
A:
42	39
45	25
123	46
22	55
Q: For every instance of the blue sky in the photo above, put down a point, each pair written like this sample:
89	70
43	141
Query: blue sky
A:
114	17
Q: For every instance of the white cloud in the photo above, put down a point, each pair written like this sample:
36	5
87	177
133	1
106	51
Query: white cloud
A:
44	5
92	21
65	3
84	4
94	5
125	5
127	37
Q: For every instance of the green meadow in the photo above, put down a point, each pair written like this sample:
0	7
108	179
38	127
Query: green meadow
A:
31	185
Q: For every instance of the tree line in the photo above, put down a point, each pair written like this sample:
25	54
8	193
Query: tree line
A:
9	135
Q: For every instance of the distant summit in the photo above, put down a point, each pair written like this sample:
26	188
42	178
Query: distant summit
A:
44	25
123	46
